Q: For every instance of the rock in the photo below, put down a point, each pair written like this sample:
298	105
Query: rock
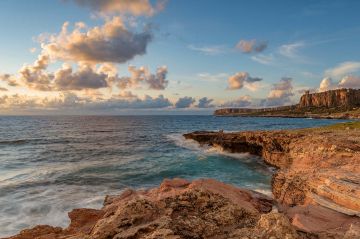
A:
315	167
177	209
347	98
339	104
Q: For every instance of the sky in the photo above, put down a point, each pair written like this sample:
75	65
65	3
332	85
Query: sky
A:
172	57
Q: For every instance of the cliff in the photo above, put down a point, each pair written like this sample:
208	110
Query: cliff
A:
337	104
345	98
318	172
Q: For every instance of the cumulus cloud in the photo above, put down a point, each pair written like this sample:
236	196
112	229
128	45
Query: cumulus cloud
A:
111	42
69	100
184	102
84	78
205	103
251	46
3	89
343	69
280	93
10	80
242	101
348	81
134	7
142	74
35	75
326	84
241	79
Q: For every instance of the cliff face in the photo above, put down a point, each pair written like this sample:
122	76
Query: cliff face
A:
346	98
335	104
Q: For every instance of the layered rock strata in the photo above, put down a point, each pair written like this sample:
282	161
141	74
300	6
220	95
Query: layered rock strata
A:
318	172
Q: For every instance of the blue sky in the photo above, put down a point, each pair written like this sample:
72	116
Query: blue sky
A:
305	45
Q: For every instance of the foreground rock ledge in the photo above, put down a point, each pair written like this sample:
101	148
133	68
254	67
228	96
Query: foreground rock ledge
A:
317	184
177	209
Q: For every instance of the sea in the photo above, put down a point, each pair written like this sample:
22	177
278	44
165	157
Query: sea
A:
50	165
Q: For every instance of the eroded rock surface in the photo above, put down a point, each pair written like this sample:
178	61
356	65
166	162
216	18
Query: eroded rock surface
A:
177	209
319	167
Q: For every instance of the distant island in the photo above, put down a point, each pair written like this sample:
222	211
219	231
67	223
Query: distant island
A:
332	104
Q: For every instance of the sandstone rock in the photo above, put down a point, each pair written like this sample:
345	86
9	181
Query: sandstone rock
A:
315	167
177	209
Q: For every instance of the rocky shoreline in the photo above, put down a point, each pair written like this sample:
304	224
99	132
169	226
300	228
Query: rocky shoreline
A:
316	195
317	184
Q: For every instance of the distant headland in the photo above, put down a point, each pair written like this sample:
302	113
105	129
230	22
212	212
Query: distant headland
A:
333	104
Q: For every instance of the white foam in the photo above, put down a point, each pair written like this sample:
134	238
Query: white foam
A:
191	144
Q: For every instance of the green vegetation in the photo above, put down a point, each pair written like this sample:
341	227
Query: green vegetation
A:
344	126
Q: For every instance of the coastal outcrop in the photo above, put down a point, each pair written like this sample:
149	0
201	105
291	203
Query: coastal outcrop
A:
347	98
177	209
335	104
318	176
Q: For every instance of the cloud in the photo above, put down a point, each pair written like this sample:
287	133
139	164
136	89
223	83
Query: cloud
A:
34	76
348	81
242	101
84	78
241	79
291	50
184	102
343	69
251	46
326	84
111	42
280	93
134	7
208	50
3	89
71	101
205	103
142	74
263	59
10	80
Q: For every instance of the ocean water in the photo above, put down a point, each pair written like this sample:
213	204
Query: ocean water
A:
52	164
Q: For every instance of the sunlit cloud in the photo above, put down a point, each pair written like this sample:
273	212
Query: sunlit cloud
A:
141	75
251	46
281	93
343	69
134	7
243	79
111	42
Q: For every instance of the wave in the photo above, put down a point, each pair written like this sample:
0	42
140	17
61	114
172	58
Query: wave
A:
180	141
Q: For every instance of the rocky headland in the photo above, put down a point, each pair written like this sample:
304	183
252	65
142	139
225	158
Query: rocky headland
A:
316	193
317	183
332	104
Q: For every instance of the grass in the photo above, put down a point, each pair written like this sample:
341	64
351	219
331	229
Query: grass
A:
344	126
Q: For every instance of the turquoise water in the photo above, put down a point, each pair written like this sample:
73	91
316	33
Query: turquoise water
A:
50	165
